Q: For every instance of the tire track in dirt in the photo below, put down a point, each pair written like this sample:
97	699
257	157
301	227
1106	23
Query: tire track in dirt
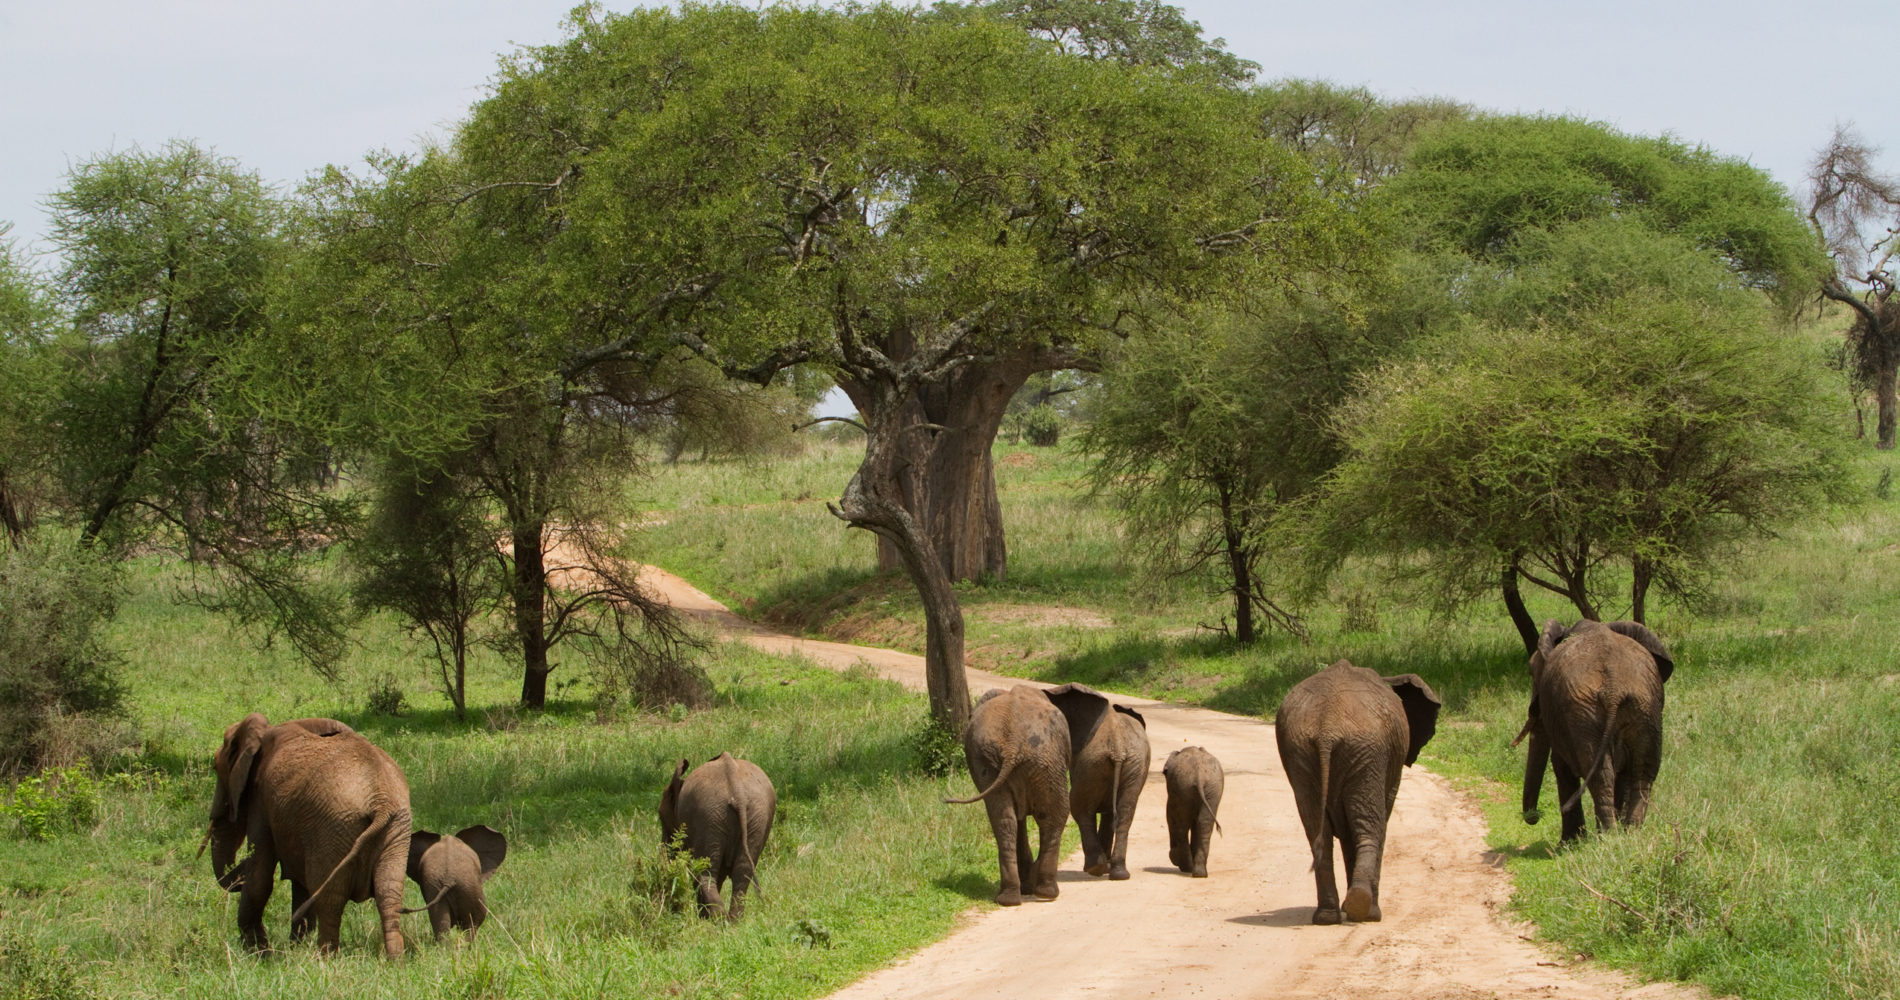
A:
1244	931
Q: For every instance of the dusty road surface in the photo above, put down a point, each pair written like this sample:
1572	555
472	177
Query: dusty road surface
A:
1244	931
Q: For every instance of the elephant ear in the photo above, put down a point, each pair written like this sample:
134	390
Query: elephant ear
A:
1125	710
239	754
670	803
489	845
419	843
1084	707
1421	711
1641	633
322	727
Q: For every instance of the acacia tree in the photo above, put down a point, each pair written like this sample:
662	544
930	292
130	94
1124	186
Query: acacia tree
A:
27	319
929	206
1855	210
170	258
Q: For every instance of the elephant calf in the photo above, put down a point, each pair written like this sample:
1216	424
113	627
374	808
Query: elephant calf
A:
725	807
1596	719
1194	780
1345	735
1017	746
451	870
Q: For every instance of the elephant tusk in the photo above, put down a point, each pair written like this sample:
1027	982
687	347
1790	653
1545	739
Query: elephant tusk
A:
202	843
1526	731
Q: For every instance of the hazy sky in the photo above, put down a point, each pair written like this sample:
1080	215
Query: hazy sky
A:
286	88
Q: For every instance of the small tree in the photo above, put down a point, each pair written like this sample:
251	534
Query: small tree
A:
55	667
1855	210
27	380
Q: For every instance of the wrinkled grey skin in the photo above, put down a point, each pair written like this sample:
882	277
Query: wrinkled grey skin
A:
1195	781
725	806
1596	718
1108	766
323	804
1345	736
451	870
1017	747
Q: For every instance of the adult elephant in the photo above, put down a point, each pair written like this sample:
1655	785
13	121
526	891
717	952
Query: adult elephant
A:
1108	765
1596	719
323	804
1017	748
1345	736
725	807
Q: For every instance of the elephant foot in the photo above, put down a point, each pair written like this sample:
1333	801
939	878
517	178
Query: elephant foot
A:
1178	859
1009	899
1325	916
1200	873
1049	891
1098	868
1360	905
1118	873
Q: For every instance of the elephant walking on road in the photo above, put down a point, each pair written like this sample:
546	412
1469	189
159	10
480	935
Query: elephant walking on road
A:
1345	736
1195	780
725	806
1596	720
1017	747
1108	766
323	804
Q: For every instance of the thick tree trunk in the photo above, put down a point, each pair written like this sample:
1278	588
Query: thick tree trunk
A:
1885	374
1520	615
1239	569
530	600
1642	571
949	487
10	519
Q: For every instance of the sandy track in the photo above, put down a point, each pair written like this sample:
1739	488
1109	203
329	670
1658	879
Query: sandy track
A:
1244	931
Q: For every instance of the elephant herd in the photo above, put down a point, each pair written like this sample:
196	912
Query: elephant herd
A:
1344	735
328	811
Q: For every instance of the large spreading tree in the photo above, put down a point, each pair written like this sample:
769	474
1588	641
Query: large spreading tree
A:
929	206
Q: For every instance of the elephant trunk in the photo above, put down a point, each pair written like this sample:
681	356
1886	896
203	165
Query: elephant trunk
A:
225	839
1535	764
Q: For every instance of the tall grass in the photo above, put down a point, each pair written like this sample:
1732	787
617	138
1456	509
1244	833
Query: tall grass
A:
1770	865
865	862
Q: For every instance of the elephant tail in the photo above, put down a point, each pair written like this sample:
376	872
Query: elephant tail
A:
1325	808
374	830
418	909
1001	776
1603	751
745	845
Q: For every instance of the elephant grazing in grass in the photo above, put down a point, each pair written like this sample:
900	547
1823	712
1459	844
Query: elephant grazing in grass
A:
324	804
725	806
451	871
1195	781
1017	747
1596	719
1345	736
1108	766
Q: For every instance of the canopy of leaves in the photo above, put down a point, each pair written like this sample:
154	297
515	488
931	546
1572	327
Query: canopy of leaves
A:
1135	32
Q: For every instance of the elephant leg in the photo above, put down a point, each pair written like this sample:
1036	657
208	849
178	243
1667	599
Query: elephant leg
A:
440	919
1049	831
1602	786
300	895
742	878
1324	880
1202	832
1363	845
710	885
386	885
1180	834
1005	827
1088	823
329	910
1026	856
1126	798
258	879
1567	785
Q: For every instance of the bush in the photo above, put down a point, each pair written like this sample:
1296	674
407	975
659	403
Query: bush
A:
1043	426
55	669
54	801
939	750
30	972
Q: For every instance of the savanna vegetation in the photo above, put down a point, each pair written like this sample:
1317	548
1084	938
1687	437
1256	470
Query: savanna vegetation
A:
1289	373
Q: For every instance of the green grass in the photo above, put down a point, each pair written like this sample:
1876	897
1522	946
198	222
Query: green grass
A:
1770	865
863	849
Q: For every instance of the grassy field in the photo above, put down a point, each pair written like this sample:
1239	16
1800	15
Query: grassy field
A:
1770	866
864	864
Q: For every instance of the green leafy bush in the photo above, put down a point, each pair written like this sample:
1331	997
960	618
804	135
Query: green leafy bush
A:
56	671
939	749
30	972
54	801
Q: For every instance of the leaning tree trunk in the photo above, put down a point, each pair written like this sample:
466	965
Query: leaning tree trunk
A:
1239	568
530	600
1514	603
951	491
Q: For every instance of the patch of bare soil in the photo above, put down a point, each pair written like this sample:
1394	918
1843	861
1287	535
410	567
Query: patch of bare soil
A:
1244	931
1039	615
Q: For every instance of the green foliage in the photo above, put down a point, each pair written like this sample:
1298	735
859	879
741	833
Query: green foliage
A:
57	670
57	800
937	749
30	971
1042	426
28	380
665	880
1133	32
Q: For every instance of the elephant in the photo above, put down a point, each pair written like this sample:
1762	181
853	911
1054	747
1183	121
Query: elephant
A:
1596	719
725	807
1195	780
1345	735
1017	747
451	870
1108	765
327	807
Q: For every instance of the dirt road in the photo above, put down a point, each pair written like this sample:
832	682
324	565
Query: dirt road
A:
1244	931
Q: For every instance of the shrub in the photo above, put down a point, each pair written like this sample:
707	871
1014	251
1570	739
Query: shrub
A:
938	748
54	801
55	667
1043	426
30	972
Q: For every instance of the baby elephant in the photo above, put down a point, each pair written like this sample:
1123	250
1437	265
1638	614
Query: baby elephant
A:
725	807
451	871
1194	782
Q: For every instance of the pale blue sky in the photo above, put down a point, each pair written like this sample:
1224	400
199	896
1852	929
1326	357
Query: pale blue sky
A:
286	88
